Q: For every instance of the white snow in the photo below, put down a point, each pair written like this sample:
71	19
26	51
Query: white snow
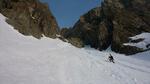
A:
142	44
26	60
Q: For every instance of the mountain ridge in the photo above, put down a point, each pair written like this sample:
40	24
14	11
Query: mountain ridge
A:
112	24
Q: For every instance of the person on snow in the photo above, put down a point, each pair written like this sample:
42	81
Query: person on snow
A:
111	58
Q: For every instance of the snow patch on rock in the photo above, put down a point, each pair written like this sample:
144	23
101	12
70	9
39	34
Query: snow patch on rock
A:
144	44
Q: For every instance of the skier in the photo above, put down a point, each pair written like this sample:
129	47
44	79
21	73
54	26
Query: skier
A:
111	59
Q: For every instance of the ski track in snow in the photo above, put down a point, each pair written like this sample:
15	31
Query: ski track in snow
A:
26	60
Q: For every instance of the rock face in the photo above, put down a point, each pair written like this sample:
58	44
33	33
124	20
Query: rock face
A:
30	17
129	18
112	24
74	40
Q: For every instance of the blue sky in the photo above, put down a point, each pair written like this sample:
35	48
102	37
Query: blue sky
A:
67	12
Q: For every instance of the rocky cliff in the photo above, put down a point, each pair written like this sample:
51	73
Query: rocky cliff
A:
30	17
112	24
109	25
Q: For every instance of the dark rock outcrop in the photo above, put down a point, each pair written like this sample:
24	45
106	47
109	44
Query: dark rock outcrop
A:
74	40
30	17
64	32
112	24
127	21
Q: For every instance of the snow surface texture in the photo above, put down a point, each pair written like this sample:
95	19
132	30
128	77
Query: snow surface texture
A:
141	44
26	60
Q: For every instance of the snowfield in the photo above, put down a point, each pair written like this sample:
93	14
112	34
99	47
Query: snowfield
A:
27	60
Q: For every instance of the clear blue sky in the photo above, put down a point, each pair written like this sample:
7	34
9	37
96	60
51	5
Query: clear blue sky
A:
67	12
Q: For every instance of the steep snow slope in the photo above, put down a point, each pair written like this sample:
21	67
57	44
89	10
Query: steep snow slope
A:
26	60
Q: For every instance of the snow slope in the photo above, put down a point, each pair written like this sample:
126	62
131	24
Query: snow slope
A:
26	60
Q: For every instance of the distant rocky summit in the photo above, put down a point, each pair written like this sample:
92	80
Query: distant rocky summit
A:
30	17
112	24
